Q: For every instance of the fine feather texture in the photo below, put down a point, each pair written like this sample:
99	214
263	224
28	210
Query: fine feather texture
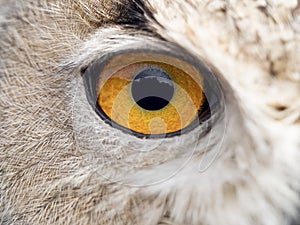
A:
61	164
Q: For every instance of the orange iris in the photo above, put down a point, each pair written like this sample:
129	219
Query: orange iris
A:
117	102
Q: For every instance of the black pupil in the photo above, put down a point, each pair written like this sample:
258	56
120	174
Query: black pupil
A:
152	89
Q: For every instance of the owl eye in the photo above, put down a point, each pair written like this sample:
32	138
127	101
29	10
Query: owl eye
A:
149	94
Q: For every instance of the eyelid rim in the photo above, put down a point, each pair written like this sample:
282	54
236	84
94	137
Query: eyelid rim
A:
211	86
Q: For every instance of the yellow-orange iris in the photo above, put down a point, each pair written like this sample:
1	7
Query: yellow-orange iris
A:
115	99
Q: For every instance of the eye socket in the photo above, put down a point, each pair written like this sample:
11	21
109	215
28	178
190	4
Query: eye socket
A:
151	94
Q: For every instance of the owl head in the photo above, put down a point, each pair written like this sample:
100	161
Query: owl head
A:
149	112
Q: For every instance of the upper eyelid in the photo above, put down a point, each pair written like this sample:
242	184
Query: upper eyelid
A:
106	41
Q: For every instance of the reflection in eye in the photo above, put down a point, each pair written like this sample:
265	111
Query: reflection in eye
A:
151	98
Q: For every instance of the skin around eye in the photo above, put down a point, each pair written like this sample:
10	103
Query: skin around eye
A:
151	97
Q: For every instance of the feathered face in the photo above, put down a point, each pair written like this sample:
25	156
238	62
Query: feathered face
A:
149	112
